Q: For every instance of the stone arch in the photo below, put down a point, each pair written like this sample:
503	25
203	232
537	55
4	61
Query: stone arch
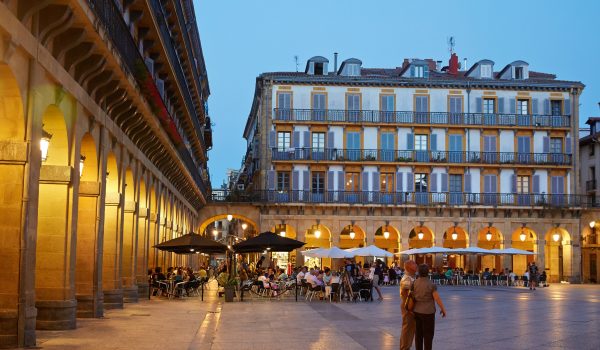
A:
391	243
55	299
526	239
315	240
205	224
425	241
143	237
558	253
495	241
11	114
455	237
154	225
288	230
90	164
347	242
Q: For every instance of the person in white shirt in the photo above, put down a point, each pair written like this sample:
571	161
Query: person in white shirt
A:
511	277
301	275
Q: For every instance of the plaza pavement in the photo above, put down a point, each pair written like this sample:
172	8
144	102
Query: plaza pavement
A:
558	317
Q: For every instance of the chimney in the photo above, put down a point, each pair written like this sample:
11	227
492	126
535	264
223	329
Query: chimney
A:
405	63
438	66
335	54
453	65
464	68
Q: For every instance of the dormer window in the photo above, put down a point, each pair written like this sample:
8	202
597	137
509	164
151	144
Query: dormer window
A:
515	70
318	68
353	70
518	72
350	67
486	71
418	72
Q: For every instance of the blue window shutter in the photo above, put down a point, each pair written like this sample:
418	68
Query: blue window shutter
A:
546	107
271	180
433	183
501	105
365	181
546	145
305	180
567	107
425	71
513	179
296	141
534	105
341	184
306	139
536	184
494	184
295	180
513	106
478	105
399	181
410	182
330	136
330	176
444	182
410	142
272	139
568	145
468	183
412	71
433	141
375	180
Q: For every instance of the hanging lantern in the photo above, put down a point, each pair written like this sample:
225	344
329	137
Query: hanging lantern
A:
488	236
81	161
386	234
352	234
229	217
522	236
454	236
215	232
45	143
556	236
420	235
282	233
244	226
317	233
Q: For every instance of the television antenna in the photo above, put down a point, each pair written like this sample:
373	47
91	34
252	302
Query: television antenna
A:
296	59
451	44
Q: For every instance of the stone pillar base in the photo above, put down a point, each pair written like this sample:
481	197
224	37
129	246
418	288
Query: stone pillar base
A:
113	299
9	326
130	294
56	314
87	307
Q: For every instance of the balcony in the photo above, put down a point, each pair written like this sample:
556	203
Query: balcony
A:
421	118
397	156
407	198
590	185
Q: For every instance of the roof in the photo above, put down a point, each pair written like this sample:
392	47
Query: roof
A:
592	120
480	62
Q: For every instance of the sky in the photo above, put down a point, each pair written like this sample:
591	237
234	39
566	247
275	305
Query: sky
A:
244	38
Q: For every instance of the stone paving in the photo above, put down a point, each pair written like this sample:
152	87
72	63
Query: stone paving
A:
558	317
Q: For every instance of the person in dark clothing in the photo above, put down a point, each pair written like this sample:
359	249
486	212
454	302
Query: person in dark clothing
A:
426	296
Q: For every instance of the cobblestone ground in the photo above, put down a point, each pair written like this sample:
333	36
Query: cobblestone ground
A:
558	317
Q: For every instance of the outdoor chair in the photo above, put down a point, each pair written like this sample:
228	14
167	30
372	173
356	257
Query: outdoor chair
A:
335	292
312	291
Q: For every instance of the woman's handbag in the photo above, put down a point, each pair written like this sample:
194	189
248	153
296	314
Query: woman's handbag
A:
409	303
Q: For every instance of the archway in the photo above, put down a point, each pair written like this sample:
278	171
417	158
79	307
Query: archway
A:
86	286
251	226
15	274
526	239
55	299
489	237
455	237
111	276
143	239
153	231
388	237
318	236
557	255
284	259
422	237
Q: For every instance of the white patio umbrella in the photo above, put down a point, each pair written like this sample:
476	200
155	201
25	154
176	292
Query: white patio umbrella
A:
333	253
511	251
472	250
412	251
312	252
371	251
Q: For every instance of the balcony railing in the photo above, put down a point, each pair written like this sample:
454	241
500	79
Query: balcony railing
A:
590	185
381	155
407	198
111	18
425	118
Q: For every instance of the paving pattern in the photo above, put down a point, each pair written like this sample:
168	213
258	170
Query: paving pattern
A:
558	317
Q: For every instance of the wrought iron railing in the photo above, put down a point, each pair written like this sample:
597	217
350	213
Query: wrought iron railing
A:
111	19
412	156
425	118
406	198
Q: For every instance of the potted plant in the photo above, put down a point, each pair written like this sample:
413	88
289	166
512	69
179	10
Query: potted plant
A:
229	284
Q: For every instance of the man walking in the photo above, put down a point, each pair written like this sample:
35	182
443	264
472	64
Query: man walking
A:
408	319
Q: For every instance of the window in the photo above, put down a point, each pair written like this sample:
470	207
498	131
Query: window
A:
556	107
386	181
352	70
420	182
318	182
284	104
522	106
486	71
455	182
318	141
489	106
421	142
387	103
352	182
318	68
518	72
283	140
353	102
353	145
418	71
283	181
522	184
387	146
556	145
319	106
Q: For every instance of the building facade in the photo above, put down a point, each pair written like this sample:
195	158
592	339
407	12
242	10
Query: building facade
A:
103	150
416	156
590	161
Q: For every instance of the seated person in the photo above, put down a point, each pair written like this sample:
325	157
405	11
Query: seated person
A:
202	274
448	275
486	274
282	275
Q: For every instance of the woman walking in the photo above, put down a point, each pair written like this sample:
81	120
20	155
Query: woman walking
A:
425	294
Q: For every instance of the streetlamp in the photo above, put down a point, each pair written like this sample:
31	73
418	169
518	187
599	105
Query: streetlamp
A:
386	232
352	234
282	230
215	232
45	143
244	226
523	235
454	233
556	236
420	233
316	231
229	217
81	161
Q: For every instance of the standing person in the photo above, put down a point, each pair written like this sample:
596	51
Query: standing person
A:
425	294
374	277
408	319
533	275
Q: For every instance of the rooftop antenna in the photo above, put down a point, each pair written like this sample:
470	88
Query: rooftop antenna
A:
296	59
451	44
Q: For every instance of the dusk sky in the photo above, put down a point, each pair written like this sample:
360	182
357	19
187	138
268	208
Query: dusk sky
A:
242	39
